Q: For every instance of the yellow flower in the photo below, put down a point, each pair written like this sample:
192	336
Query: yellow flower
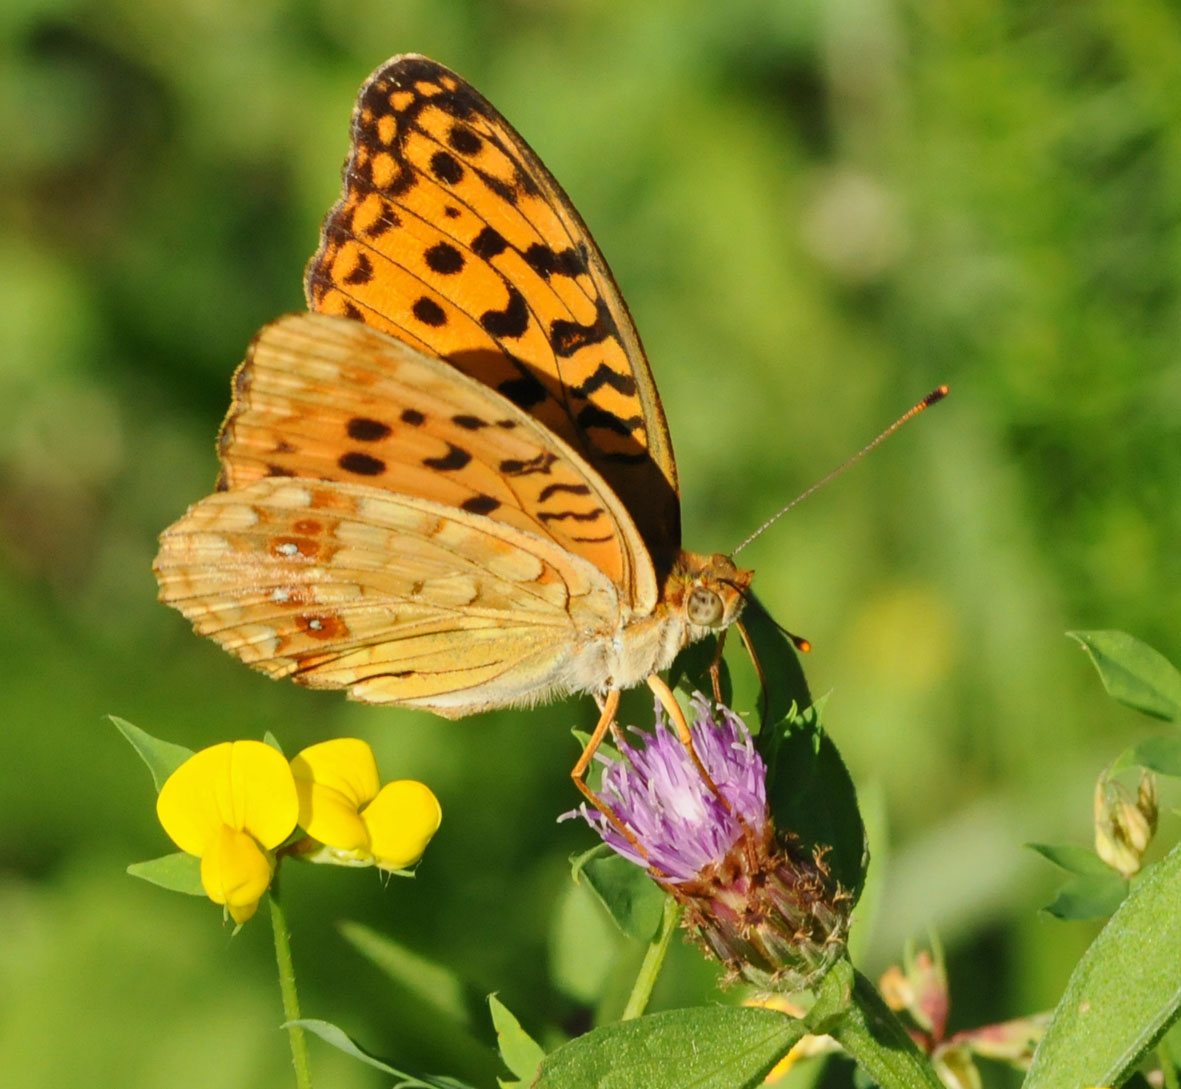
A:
229	805
361	823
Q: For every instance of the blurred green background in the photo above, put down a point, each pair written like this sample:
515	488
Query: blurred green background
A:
817	211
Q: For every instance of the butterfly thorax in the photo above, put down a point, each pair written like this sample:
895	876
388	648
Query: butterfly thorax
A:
701	594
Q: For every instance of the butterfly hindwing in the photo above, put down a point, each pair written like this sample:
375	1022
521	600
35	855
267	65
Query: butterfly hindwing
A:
397	599
453	237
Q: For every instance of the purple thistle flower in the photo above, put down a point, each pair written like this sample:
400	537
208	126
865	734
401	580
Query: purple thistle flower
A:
752	896
658	794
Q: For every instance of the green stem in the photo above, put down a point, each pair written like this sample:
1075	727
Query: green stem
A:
295	1033
870	1032
637	1001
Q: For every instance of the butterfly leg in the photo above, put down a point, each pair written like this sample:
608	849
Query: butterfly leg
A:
715	667
608	708
754	658
673	709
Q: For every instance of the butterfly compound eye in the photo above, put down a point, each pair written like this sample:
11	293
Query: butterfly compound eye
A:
704	608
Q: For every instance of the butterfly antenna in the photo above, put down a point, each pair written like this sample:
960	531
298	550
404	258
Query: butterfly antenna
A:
934	396
798	641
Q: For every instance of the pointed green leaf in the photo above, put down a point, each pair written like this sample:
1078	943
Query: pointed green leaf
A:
811	794
870	1032
176	872
1089	897
270	739
784	684
691	670
1124	992
630	896
436	985
162	757
708	1047
1160	754
1133	673
340	1040
519	1051
1076	860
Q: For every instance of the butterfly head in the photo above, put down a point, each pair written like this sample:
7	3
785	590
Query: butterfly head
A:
710	591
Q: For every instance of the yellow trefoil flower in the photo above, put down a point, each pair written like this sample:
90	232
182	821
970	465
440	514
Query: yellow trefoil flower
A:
343	806
230	805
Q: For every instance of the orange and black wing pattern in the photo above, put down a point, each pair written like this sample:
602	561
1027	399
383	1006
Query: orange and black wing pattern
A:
453	237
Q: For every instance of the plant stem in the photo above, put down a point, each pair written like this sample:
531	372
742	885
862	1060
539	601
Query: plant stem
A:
637	1001
295	1033
876	1039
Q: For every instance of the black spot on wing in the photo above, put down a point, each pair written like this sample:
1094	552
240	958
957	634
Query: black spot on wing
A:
489	243
364	429
546	261
551	490
455	458
539	464
362	272
567	337
446	168
480	504
412	417
444	259
361	464
429	312
605	376
469	423
571	515
463	140
512	321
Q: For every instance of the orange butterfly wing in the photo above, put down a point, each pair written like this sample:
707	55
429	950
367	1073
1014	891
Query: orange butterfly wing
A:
328	399
452	236
392	526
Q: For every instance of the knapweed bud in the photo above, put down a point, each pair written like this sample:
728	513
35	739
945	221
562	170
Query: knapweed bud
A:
753	896
1124	826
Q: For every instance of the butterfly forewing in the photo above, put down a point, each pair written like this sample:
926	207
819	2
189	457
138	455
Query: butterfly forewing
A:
453	237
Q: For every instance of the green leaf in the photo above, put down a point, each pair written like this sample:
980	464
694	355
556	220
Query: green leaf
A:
1088	897
176	872
691	670
708	1047
1073	859
1124	992
520	1052
811	793
784	684
630	896
1133	673
437	986
871	1033
162	757
340	1040
1160	754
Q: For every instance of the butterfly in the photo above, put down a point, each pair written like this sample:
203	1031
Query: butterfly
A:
449	485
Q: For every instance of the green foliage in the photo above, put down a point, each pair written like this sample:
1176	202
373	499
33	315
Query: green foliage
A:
633	901
162	757
176	872
1124	992
706	1048
519	1051
1133	673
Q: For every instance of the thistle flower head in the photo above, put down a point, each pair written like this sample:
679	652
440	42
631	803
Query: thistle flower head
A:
753	896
